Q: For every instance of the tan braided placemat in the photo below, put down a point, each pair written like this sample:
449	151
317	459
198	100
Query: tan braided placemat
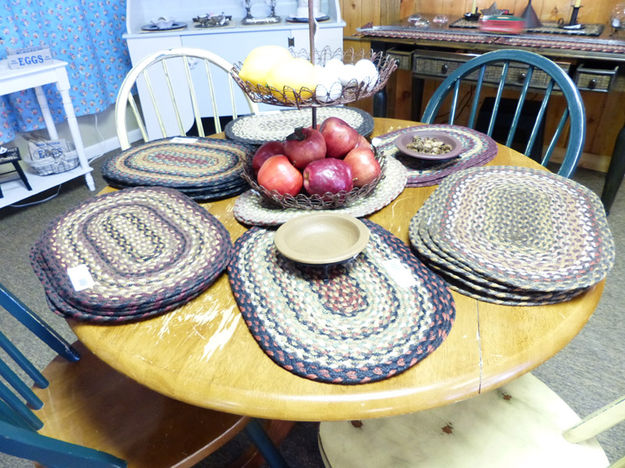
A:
251	209
526	228
260	128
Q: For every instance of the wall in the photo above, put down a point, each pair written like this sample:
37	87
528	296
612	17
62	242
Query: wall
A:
605	116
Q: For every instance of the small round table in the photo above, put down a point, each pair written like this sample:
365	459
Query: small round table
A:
203	353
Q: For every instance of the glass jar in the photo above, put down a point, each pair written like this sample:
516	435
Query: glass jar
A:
617	17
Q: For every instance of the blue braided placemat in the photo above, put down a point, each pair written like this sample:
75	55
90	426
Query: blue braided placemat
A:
359	322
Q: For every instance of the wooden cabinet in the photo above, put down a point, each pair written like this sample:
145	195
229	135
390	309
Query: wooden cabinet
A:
233	42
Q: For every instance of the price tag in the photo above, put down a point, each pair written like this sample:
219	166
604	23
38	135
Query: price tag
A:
400	273
188	141
80	277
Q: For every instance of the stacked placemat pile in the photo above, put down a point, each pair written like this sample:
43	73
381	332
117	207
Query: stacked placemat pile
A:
129	255
362	321
202	168
514	235
477	150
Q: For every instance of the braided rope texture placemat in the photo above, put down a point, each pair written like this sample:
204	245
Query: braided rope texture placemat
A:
477	150
362	321
147	249
549	27
261	128
514	235
200	167
253	210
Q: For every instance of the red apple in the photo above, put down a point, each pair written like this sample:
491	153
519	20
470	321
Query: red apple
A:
304	145
266	150
277	173
362	142
363	164
340	137
327	175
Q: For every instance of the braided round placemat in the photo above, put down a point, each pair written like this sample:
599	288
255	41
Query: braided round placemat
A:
463	279
478	149
145	248
252	209
181	163
526	228
362	321
261	128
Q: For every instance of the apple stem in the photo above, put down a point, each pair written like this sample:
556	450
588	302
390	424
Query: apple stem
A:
298	135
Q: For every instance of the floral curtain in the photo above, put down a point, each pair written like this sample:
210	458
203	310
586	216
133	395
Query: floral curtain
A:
87	34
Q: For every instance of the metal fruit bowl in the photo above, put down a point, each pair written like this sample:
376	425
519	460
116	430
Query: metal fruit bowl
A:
305	97
303	201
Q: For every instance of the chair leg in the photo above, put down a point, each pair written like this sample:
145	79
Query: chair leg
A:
267	449
616	171
20	171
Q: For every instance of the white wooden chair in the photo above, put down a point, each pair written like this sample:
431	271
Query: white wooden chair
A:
184	84
522	424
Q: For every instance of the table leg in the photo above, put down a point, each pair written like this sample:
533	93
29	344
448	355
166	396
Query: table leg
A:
616	171
63	87
45	112
269	452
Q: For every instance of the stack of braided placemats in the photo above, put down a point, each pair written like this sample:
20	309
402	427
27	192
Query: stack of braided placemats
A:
129	255
477	150
202	168
252	209
277	125
362	321
514	235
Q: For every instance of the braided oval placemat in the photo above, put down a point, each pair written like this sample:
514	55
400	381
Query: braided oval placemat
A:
261	128
63	308
478	149
363	321
179	162
523	227
252	209
469	282
145	249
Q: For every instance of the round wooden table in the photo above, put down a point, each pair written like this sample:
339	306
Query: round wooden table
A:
203	353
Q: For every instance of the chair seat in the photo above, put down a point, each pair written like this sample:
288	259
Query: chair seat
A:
517	425
91	404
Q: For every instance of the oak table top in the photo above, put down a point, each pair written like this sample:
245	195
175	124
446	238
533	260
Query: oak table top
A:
202	353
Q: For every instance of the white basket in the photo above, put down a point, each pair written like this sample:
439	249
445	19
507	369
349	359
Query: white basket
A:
51	157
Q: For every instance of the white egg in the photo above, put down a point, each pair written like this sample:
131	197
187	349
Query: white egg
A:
334	64
348	75
367	73
329	87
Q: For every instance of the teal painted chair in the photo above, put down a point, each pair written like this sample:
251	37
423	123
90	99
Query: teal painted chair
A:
513	71
82	413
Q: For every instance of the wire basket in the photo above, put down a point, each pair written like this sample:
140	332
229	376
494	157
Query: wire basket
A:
303	201
305	97
51	157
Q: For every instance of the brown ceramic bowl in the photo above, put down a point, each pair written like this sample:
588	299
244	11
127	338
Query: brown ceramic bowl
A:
321	238
404	140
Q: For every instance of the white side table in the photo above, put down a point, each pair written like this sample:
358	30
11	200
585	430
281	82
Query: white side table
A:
35	77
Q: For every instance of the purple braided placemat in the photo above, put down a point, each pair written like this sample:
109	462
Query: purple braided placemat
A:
478	149
363	321
145	248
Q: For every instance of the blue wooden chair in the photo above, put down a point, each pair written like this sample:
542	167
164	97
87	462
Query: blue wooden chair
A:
515	70
97	417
